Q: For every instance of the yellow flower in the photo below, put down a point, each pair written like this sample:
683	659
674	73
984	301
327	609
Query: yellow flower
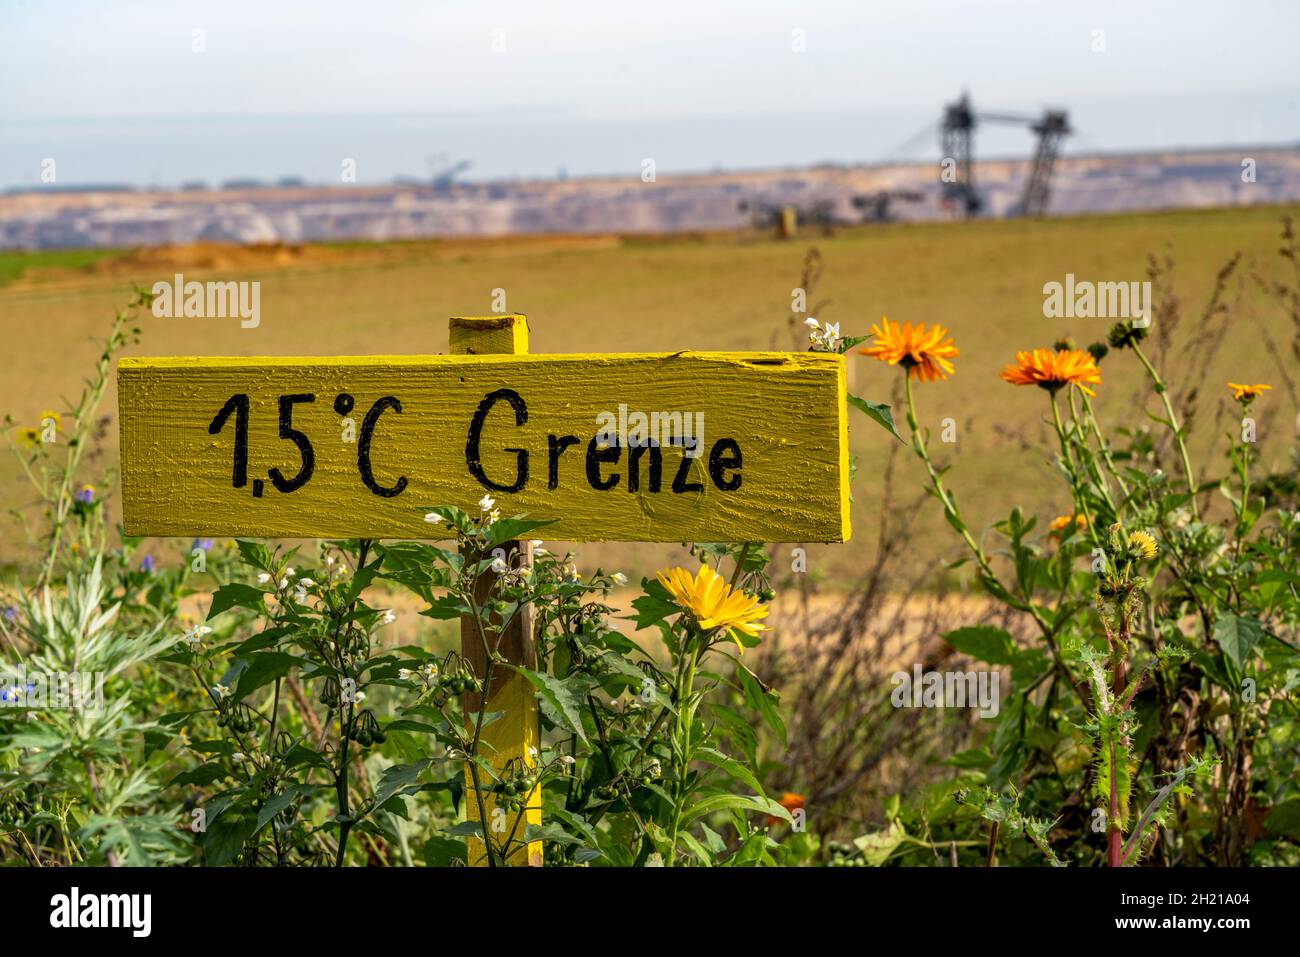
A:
28	437
713	603
922	353
1062	522
1142	545
1052	370
1245	393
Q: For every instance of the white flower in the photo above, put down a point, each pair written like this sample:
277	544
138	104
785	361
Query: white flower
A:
305	583
540	552
196	634
387	618
826	340
655	860
618	578
263	578
239	756
329	560
499	565
567	759
536	543
221	691
486	502
430	671
494	515
284	582
404	674
289	572
811	323
433	518
359	697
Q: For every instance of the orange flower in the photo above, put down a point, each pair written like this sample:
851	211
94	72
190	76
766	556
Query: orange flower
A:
1062	522
1247	393
923	353
791	801
1052	370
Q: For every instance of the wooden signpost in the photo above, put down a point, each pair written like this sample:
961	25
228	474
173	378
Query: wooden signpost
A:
662	447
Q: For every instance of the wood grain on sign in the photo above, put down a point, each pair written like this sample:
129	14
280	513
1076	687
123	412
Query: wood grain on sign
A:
260	446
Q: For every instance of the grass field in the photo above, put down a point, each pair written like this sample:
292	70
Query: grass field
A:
984	280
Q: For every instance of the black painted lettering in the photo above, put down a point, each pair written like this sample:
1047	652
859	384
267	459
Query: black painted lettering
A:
363	447
725	455
472	459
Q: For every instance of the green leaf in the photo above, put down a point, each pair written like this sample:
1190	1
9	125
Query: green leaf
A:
509	529
878	846
734	802
446	608
255	554
443	852
764	702
203	774
655	605
879	413
576	822
281	802
1237	636
552	832
225	836
560	700
235	595
692	844
400	778
262	669
731	766
984	643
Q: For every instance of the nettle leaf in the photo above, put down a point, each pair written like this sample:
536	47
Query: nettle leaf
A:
878	412
1237	636
235	595
984	643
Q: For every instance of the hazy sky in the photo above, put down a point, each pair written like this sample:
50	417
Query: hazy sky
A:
122	90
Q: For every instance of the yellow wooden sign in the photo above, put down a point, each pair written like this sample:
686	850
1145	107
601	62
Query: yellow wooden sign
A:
682	446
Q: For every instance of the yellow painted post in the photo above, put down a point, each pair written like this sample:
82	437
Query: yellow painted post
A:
516	734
